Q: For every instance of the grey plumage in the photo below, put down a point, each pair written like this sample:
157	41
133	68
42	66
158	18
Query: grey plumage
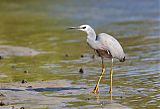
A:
111	45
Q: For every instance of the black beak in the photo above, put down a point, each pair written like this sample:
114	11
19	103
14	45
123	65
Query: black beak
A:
75	28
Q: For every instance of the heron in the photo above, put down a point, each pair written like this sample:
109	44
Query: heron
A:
105	46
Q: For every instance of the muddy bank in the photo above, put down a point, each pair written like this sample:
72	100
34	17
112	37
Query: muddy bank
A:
30	95
48	94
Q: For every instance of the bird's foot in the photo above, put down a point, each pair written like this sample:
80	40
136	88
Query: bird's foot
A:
96	90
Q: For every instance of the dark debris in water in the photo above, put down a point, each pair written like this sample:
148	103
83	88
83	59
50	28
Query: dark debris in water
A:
88	98
66	55
26	71
81	71
1	57
82	56
2	103
2	95
23	81
22	108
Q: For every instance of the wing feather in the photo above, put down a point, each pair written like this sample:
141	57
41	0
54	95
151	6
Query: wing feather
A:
107	42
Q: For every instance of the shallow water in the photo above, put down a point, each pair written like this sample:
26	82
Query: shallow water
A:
41	26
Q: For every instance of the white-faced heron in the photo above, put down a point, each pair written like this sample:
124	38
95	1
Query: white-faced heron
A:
105	46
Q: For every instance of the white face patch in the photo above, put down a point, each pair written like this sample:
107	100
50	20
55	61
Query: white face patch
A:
85	28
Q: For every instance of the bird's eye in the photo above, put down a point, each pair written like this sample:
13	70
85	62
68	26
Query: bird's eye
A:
84	27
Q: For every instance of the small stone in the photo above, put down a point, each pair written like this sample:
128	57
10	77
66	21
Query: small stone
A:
23	81
26	71
2	103
88	98
82	56
66	55
81	71
121	97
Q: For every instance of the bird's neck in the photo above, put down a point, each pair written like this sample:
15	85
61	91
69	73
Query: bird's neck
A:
91	38
91	35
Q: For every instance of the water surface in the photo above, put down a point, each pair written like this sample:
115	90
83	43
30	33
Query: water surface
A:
41	25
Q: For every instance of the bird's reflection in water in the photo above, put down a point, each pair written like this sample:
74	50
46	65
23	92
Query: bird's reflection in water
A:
111	96
108	101
97	97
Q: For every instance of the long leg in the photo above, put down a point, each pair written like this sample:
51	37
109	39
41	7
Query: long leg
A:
96	89
111	74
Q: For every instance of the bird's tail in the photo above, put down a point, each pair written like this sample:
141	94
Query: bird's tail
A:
122	60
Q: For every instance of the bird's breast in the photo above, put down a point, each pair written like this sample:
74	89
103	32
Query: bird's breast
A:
103	53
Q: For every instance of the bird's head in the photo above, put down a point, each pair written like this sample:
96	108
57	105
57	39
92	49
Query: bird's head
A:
85	28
